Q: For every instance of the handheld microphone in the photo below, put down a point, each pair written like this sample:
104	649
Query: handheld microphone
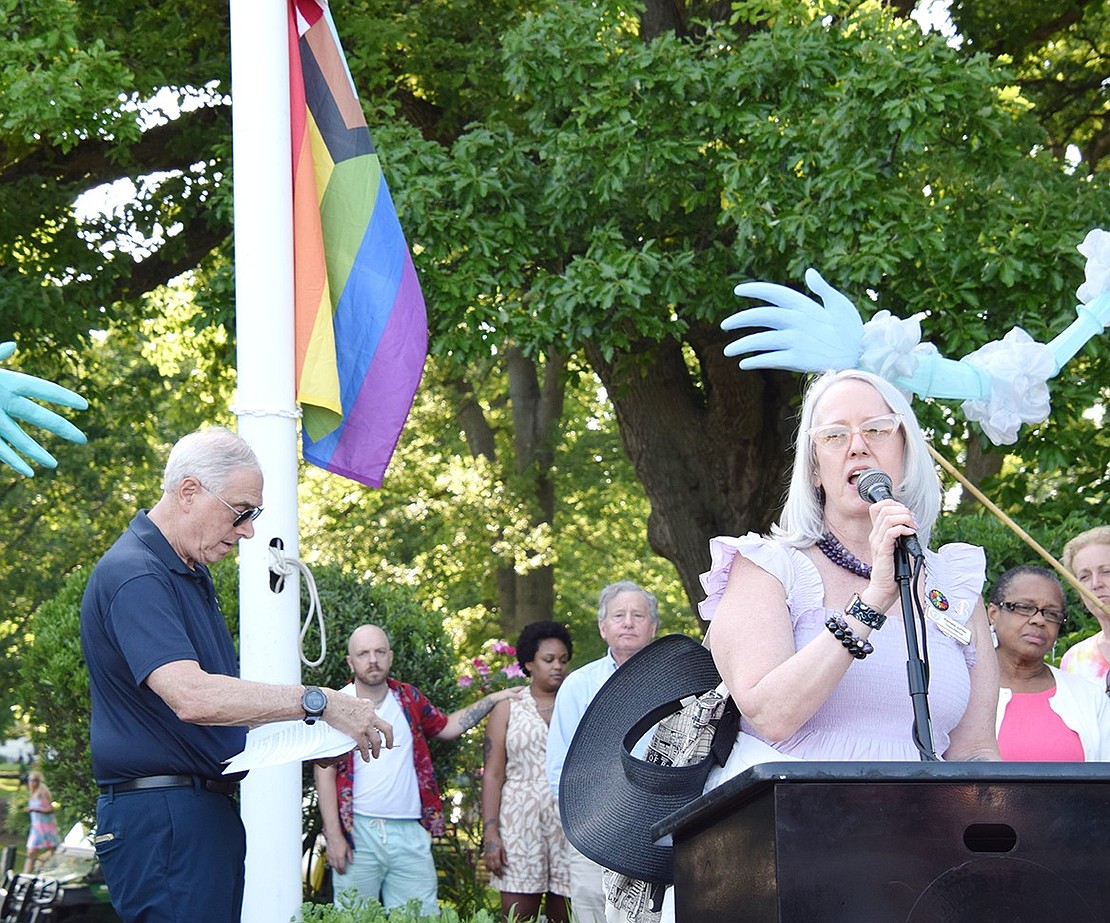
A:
874	485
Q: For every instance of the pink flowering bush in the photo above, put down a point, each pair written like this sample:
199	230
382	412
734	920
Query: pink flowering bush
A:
496	668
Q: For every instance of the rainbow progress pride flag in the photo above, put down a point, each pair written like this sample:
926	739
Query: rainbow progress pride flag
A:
361	327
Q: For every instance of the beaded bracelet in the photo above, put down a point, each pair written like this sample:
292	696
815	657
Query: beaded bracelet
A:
857	647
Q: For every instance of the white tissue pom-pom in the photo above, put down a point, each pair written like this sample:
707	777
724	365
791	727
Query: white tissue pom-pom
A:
1019	369
1096	247
888	344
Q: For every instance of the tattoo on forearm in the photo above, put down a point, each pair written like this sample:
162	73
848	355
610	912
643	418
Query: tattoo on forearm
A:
475	713
487	748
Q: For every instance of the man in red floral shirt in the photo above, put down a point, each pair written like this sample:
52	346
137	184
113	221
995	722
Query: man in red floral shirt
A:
379	820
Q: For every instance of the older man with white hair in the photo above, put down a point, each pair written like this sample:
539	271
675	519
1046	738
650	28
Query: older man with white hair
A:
168	706
627	618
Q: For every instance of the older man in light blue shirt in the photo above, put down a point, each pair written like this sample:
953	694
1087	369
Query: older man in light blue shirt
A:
627	618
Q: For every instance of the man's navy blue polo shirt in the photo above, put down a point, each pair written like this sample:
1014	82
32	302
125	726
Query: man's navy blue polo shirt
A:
144	608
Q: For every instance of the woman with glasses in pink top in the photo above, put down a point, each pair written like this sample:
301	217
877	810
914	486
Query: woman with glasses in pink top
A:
1044	714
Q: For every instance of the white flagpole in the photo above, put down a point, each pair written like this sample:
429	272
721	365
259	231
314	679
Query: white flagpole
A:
266	408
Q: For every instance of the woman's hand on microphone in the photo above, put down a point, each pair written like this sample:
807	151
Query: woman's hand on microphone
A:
890	521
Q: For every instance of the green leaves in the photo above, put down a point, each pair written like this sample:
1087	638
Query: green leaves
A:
56	86
1058	53
354	911
570	188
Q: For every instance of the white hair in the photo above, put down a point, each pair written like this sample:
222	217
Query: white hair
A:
625	586
803	516
210	455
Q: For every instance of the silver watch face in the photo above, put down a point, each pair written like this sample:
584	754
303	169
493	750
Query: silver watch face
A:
314	702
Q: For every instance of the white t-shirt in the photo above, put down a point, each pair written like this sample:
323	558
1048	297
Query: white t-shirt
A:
386	786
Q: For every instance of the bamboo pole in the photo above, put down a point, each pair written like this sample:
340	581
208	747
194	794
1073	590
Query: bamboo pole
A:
1083	592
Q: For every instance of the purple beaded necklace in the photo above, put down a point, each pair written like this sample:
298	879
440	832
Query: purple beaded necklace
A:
841	556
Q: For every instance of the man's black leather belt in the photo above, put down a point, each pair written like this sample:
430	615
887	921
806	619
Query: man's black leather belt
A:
223	786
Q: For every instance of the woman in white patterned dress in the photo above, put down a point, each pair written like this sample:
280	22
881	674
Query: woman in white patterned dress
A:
523	845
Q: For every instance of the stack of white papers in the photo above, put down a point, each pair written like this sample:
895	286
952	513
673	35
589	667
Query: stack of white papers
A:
288	742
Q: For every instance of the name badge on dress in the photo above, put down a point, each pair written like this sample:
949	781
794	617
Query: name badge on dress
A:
950	627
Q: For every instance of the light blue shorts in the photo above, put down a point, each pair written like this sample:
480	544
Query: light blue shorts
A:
392	864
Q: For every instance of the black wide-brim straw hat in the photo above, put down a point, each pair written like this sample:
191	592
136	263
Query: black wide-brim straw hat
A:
608	799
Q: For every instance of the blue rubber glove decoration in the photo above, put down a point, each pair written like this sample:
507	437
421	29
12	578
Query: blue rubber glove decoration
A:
804	336
1003	384
17	395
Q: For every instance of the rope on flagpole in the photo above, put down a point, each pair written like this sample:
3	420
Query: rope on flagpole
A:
285	565
1083	592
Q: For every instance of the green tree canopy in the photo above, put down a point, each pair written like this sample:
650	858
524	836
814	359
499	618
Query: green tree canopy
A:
585	184
1060	52
663	171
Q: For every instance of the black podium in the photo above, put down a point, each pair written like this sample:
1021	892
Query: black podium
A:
896	843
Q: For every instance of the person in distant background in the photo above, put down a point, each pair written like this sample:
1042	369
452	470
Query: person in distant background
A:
1044	714
379	823
1087	556
627	618
523	844
43	838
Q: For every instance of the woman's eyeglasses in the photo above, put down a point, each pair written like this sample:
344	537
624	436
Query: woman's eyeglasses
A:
874	432
1028	610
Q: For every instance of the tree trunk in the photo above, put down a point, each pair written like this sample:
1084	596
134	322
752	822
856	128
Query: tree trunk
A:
711	444
537	408
536	397
524	597
979	466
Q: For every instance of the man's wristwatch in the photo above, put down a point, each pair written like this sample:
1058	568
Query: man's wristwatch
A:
858	609
313	702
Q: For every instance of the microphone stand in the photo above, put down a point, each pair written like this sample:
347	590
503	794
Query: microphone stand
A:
915	666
